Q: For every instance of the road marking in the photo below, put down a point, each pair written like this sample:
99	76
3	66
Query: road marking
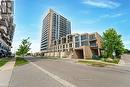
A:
63	82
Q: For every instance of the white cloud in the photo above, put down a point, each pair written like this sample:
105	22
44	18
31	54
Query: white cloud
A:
127	42
102	3
112	15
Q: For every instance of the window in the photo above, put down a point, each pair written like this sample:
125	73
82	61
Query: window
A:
91	37
76	45
63	46
77	38
70	45
66	46
83	37
93	43
84	43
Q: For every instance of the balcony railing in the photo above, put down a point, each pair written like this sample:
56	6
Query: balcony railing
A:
3	26
91	39
93	45
3	29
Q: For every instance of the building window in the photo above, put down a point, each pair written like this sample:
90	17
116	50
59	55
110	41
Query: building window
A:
93	43
84	43
66	45
83	37
70	45
59	41
77	38
92	37
77	44
63	46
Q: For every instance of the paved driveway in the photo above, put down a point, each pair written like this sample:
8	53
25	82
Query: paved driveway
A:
126	58
126	65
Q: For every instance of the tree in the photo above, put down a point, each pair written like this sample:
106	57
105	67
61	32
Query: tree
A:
112	43
24	48
126	51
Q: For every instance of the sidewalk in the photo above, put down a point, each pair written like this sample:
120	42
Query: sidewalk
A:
5	73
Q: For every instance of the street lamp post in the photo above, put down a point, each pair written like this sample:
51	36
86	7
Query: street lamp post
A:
114	54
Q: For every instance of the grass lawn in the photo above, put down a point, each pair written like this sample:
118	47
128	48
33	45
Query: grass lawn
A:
47	57
95	63
3	61
20	61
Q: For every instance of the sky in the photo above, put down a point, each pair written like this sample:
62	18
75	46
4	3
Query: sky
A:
85	16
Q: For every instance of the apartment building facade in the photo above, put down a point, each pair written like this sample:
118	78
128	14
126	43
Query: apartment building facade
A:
7	26
54	27
76	46
58	41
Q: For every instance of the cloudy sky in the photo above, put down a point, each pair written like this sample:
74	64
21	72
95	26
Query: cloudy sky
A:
85	16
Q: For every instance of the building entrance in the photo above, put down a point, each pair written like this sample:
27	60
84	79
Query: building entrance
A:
79	53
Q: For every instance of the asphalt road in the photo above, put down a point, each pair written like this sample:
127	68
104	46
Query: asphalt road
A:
78	75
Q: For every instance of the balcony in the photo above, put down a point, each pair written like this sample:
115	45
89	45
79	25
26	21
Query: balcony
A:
63	40
76	38
92	39
54	42
5	36
3	29
69	38
84	37
93	45
59	41
84	43
77	44
9	42
3	26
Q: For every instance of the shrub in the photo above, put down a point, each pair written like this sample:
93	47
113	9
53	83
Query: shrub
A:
110	60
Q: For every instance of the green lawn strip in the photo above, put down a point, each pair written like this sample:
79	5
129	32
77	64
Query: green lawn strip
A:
114	61
95	63
3	61
50	57
20	61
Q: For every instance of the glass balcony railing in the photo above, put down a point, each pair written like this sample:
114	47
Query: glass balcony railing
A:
84	38
92	38
93	45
